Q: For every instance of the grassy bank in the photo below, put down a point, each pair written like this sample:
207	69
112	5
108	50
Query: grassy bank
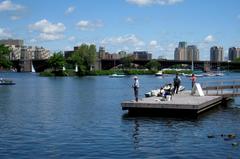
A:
60	73
50	73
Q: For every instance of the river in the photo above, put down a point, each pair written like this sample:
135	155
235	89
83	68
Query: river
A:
81	117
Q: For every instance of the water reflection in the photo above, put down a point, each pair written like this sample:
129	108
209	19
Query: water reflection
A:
136	134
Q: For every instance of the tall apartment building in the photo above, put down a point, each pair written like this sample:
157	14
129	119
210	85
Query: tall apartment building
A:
216	54
21	52
192	53
10	42
142	55
41	53
101	52
233	53
184	52
15	53
180	51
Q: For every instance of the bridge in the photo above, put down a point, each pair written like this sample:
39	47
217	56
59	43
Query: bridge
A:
106	64
110	63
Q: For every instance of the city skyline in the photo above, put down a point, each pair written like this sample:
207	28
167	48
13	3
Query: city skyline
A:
152	25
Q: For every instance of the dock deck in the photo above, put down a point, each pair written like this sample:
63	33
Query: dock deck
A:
182	102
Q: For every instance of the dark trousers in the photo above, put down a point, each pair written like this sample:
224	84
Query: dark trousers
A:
176	88
193	83
136	93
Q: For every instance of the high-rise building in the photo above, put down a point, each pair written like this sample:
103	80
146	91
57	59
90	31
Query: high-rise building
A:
101	52
186	52
192	53
21	52
180	51
233	53
142	55
41	53
216	54
10	42
182	44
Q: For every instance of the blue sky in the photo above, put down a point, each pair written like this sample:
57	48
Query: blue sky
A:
153	25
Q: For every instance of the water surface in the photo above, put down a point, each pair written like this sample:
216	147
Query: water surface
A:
73	117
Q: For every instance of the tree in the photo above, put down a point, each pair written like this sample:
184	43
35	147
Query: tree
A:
84	57
153	65
56	61
126	61
4	56
237	59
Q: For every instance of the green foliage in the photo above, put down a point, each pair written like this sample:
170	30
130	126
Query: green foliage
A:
126	61
4	56
177	66
49	73
101	72
46	74
237	59
120	71
56	61
153	65
84	57
139	72
175	71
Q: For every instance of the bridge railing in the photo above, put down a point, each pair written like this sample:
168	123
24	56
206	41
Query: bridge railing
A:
222	87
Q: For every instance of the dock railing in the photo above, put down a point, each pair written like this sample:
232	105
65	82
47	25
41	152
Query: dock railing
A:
222	87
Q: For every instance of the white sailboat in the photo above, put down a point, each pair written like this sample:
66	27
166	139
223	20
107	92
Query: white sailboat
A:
32	69
76	68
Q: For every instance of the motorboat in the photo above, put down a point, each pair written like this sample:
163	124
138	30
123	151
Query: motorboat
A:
159	73
116	75
6	82
212	74
161	91
220	74
190	75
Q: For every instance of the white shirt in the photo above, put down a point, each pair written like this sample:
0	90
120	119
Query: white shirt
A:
136	83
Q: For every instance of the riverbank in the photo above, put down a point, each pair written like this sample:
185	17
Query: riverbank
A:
50	73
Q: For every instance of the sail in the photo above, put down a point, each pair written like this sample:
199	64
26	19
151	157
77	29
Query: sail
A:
76	68
64	69
32	69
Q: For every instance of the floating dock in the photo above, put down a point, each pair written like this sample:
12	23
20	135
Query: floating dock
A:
181	104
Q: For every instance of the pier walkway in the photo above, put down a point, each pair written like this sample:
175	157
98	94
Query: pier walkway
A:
224	88
182	103
213	93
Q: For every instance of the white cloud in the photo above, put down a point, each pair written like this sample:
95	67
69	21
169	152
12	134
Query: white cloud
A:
71	38
209	39
67	48
153	44
14	17
86	25
70	10
7	5
129	20
124	40
153	2
5	33
48	30
47	27
50	37
33	40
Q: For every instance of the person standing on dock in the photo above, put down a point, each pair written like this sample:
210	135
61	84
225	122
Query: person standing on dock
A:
176	84
194	79
136	87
